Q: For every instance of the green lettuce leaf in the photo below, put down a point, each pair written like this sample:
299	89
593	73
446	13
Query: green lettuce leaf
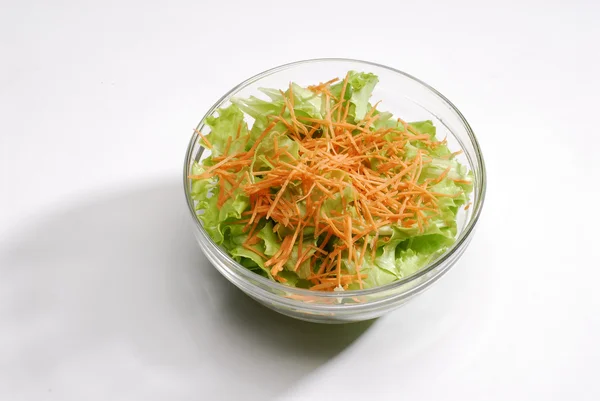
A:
362	86
358	91
225	125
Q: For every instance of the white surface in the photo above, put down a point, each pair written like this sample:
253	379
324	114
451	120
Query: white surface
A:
104	294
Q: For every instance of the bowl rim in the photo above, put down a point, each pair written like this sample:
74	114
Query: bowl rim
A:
250	276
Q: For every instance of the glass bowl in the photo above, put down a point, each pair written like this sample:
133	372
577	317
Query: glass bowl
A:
406	97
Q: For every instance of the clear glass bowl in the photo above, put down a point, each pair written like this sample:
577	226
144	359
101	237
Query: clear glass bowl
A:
406	97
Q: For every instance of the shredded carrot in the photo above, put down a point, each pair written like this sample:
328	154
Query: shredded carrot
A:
374	245
227	146
360	262
319	88
248	247
203	138
239	131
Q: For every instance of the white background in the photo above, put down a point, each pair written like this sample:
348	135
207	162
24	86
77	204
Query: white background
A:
104	294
